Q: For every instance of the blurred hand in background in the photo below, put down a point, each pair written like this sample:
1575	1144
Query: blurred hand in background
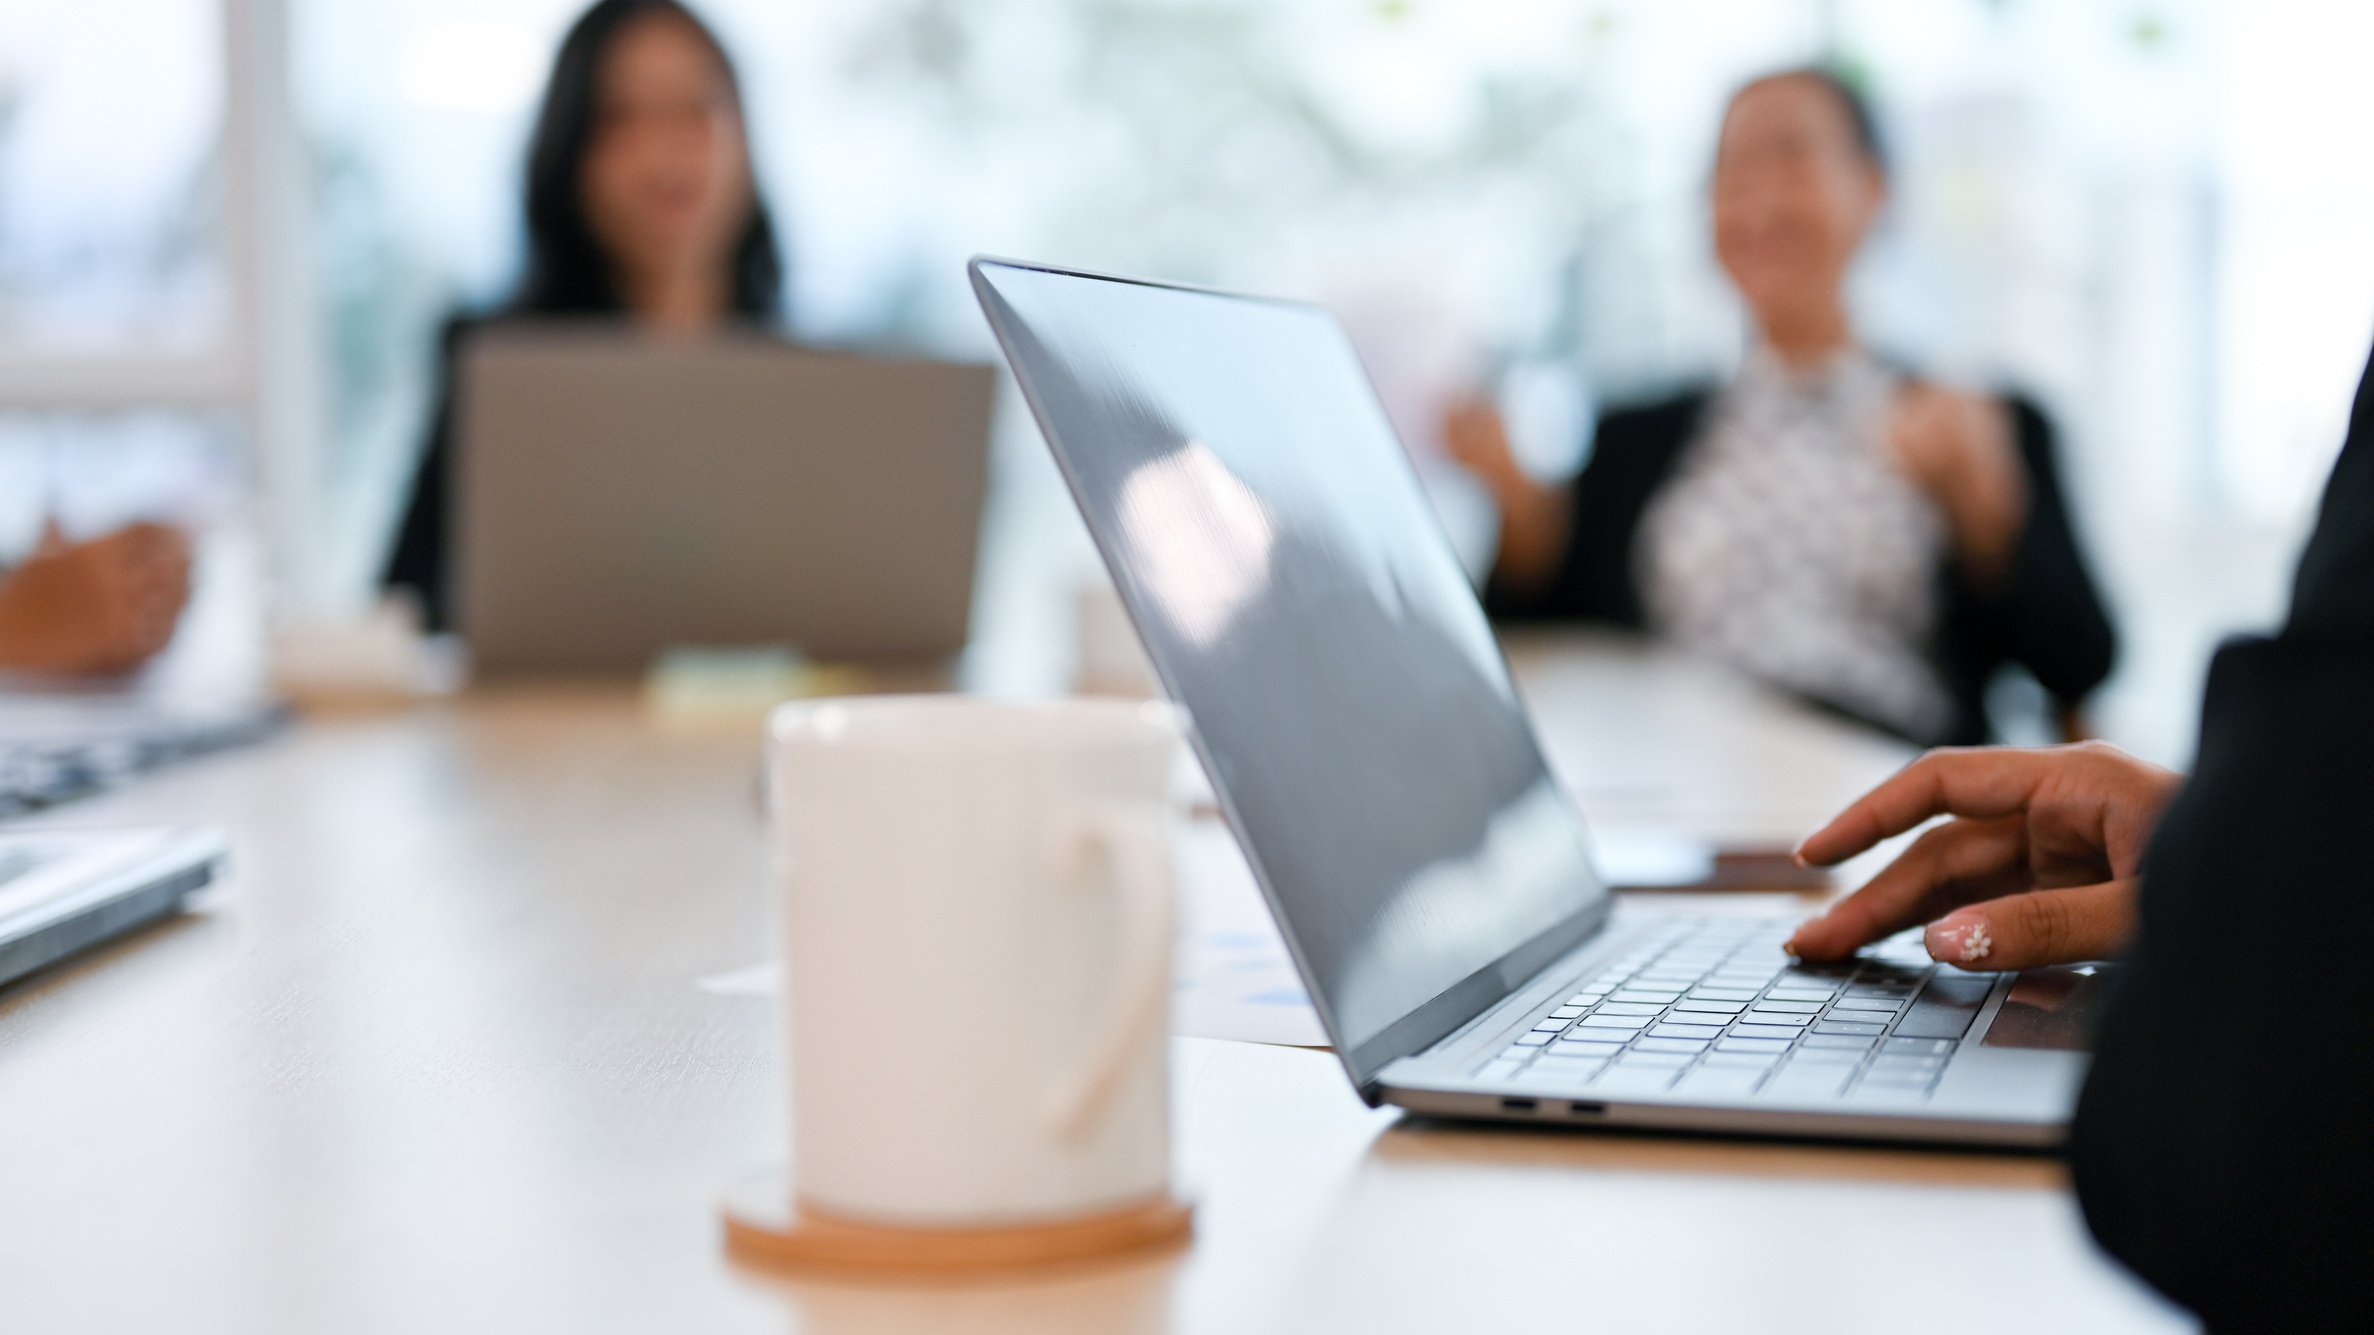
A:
1960	450
1533	514
97	607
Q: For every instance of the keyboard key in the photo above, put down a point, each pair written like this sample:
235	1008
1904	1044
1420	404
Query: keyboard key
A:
1874	1005
1815	994
1700	1031
1712	992
1619	1080
1931	1046
1761	1046
1498	1070
1537	1039
1631	1008
1828	1056
1790	1007
1594	1051
1847	1027
1889	975
1759	1061
1759	1031
1676	1043
1610	1022
1586	1000
1568	1012
1763	1016
1807	1083
1718	1082
1899	1079
1946	1006
1549	1026
1855	1042
1882	992
1888	1096
1640	995
1636	1056
1551	1072
1697	1005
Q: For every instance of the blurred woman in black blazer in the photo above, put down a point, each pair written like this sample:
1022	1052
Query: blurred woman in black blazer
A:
641	207
1874	543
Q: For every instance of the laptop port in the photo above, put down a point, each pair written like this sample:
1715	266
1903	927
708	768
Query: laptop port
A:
1520	1105
1587	1109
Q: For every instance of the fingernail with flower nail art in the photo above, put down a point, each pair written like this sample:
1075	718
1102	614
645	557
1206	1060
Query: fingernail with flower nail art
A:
1960	938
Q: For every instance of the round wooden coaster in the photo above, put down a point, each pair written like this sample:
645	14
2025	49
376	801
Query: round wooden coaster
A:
764	1225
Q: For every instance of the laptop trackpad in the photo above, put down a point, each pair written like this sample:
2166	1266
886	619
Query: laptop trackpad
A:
2050	1008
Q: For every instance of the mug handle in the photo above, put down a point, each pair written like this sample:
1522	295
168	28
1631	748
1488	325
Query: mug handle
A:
1130	837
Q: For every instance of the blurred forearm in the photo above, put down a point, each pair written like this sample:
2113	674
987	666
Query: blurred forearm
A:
1533	532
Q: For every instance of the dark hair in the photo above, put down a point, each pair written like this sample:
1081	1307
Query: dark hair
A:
1842	88
567	271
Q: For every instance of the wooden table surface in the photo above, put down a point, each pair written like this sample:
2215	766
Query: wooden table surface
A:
433	1059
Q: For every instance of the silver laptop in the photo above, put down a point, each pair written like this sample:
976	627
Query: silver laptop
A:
1431	879
64	891
619	497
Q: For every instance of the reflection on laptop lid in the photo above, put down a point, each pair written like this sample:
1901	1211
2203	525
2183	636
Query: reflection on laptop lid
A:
1299	597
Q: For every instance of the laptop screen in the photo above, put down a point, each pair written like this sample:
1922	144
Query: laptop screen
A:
1300	599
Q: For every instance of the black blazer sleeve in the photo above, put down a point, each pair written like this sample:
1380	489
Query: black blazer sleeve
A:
2224	1145
2047	615
422	557
1633	452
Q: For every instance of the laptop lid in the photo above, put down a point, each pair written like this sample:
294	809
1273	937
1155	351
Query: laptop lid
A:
1298	596
619	496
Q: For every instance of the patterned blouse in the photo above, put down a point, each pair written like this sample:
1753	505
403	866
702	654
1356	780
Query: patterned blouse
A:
1791	547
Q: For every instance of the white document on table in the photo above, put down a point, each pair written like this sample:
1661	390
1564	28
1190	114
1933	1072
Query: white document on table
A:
1235	980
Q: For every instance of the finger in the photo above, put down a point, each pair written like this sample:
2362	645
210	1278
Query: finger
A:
1982	783
144	563
165	574
2041	927
1944	869
150	545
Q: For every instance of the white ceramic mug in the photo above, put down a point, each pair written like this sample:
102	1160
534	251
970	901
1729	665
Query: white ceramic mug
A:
978	907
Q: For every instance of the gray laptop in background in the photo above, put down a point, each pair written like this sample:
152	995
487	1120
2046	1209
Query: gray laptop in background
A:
1432	880
618	497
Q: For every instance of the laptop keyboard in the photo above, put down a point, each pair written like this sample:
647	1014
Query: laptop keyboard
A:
58	766
1717	1009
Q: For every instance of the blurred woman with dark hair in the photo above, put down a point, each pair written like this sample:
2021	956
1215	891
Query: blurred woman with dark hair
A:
641	206
1874	543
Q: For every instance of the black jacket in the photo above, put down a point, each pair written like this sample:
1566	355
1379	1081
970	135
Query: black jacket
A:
422	560
2046	617
2224	1146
